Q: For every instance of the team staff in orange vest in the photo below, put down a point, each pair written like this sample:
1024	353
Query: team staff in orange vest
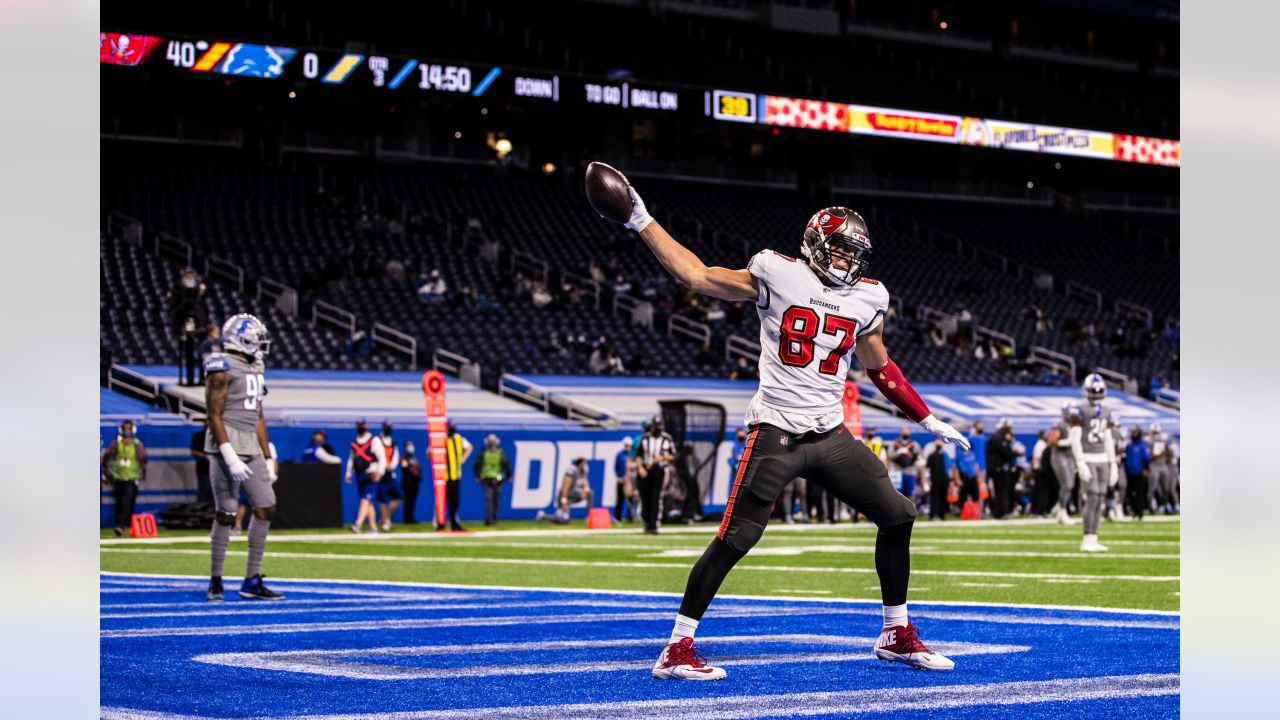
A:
389	495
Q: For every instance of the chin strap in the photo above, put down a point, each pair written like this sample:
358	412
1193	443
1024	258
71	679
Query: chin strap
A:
890	382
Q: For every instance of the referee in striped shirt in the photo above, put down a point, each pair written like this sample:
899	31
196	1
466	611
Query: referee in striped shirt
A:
655	452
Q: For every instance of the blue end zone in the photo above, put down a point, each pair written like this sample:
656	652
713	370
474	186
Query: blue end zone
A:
366	649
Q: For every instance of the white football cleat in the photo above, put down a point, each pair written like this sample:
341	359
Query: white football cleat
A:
902	644
682	661
1091	544
1064	518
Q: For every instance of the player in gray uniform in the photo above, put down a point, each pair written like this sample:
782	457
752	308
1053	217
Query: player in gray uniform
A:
1164	471
237	441
1094	448
1117	494
1064	463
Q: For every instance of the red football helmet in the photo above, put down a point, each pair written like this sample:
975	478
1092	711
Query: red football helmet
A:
842	229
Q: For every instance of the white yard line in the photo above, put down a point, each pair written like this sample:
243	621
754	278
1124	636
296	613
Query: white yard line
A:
283	608
197	583
744	707
619	564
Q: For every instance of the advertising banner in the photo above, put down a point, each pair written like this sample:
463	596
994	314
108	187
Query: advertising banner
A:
907	124
1008	135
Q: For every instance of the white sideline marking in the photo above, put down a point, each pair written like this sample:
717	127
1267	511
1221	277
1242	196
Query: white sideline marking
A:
620	564
708	530
328	662
995	585
925	551
742	707
1069	580
112	575
281	609
720	611
764	541
807	592
374	598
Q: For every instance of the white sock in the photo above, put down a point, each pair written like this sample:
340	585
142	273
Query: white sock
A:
895	615
684	628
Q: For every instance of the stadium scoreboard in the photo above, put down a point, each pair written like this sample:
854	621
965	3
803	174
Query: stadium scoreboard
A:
555	91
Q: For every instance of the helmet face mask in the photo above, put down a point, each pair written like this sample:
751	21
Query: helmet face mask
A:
247	334
837	233
1094	388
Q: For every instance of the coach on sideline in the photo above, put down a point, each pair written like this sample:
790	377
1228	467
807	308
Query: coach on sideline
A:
655	451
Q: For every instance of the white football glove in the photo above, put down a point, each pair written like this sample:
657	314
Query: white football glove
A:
640	218
272	476
235	466
1113	478
1084	473
944	431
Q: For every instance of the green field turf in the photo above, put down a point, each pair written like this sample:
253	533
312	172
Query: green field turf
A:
1009	562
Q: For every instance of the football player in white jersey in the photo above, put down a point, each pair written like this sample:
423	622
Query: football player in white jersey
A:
814	312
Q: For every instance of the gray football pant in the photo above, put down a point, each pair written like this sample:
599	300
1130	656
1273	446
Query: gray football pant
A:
1064	468
1095	491
1164	482
226	492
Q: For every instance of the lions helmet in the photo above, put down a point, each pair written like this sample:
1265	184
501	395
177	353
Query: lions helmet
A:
1094	388
837	227
245	333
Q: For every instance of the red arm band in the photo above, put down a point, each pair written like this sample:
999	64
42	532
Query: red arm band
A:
890	382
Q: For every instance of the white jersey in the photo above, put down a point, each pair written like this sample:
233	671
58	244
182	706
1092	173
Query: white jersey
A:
807	333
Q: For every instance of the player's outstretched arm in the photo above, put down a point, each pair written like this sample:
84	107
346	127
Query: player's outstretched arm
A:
888	379
717	282
613	197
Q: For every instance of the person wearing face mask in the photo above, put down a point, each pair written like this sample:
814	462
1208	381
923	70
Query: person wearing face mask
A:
366	464
1002	468
389	495
904	453
124	465
411	481
457	450
656	450
186	318
320	451
491	469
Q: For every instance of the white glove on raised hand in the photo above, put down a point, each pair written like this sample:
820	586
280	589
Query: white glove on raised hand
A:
640	218
235	466
944	431
1084	473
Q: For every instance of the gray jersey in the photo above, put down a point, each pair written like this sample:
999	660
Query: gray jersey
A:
244	401
1093	435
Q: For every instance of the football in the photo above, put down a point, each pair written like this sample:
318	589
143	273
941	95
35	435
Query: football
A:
607	191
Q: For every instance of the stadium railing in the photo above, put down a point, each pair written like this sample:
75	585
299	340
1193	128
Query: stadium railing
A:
396	341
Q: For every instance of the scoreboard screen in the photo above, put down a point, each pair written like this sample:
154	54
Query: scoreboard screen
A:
556	91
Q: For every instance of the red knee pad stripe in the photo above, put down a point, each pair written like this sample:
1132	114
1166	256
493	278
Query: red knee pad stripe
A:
890	382
737	483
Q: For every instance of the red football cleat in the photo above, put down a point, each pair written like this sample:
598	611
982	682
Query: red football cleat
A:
682	661
902	644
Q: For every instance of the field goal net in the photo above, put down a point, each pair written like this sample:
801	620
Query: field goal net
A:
697	428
